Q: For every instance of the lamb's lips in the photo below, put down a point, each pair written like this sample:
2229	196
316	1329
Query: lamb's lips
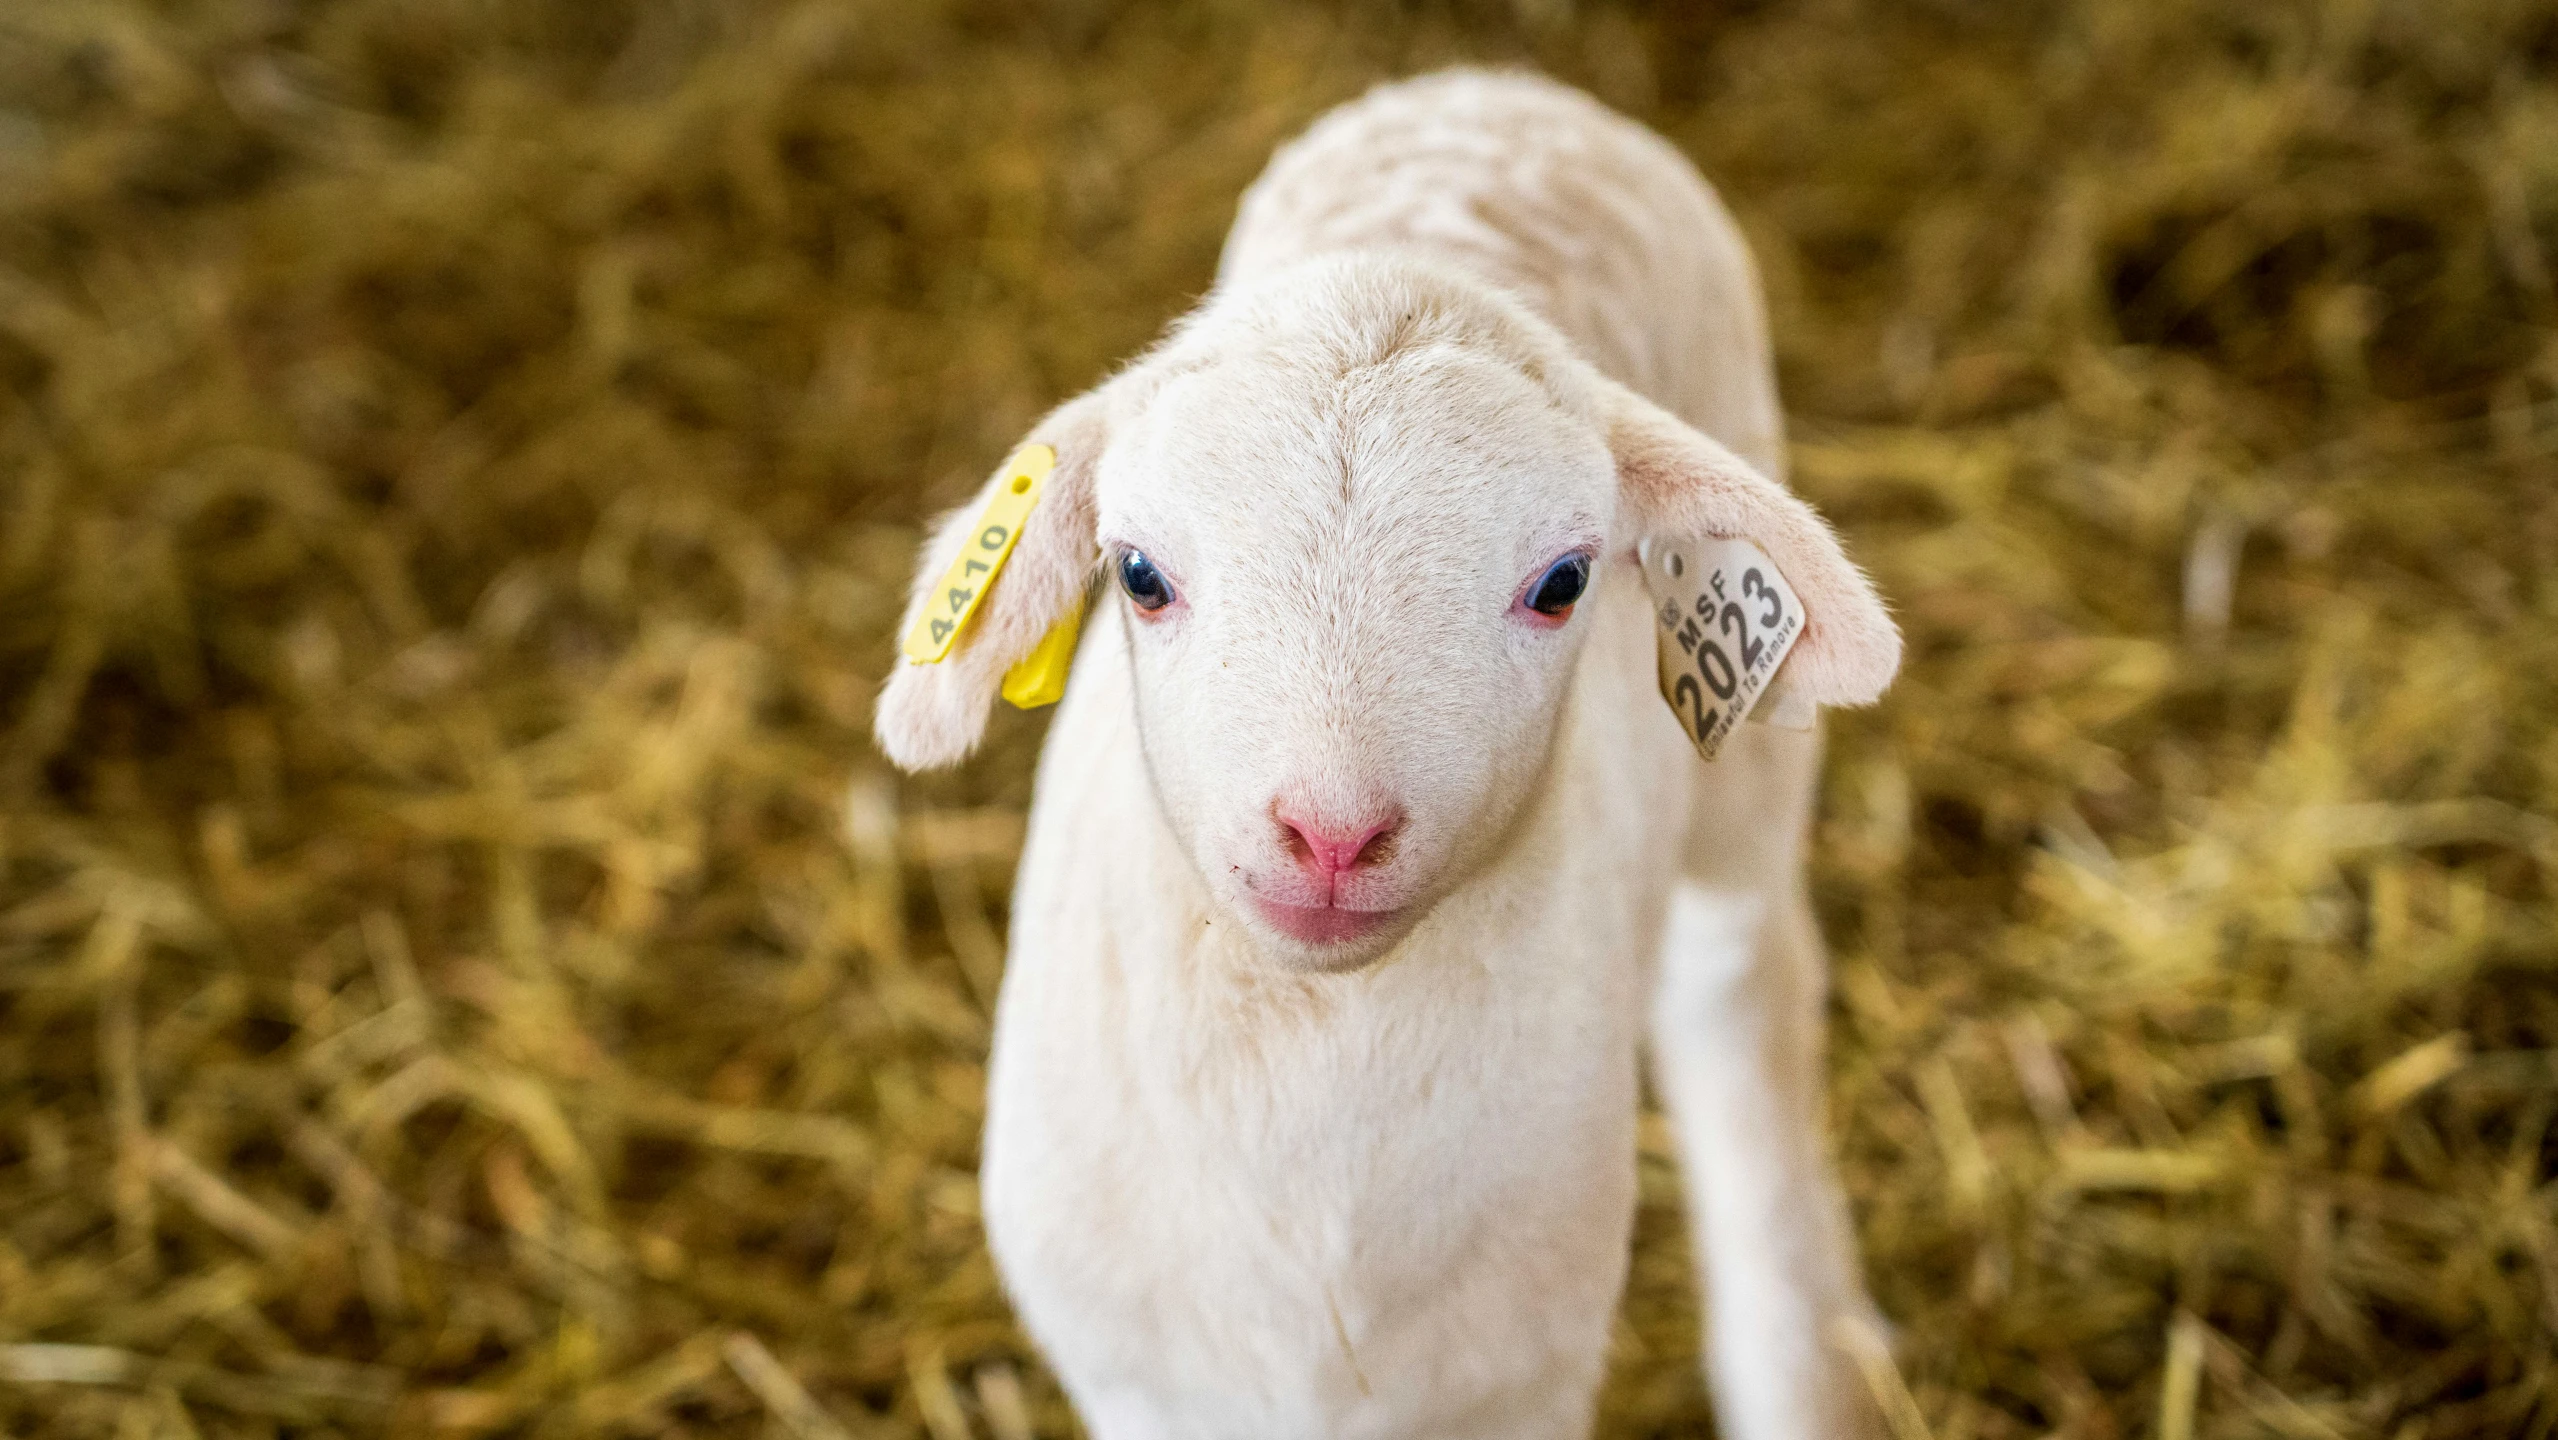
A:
1322	924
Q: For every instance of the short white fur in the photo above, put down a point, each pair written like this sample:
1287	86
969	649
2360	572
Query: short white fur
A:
1245	1183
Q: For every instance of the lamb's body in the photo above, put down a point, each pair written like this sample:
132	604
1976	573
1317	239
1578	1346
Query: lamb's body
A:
1396	1202
1599	224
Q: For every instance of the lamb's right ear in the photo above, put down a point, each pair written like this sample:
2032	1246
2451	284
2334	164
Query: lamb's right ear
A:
931	715
1676	481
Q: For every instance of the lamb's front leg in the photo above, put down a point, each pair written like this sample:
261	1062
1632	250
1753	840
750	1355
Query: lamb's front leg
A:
1737	1048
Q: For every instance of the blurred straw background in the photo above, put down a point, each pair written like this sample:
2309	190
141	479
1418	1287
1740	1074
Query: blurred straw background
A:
459	458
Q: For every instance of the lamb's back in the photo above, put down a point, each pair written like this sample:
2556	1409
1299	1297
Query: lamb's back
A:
1598	223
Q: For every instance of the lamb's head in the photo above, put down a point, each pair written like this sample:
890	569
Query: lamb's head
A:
1346	519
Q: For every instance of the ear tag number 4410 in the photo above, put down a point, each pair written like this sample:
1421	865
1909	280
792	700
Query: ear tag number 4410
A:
972	572
1723	620
1040	677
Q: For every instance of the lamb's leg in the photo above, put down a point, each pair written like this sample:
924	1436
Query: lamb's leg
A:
1737	1049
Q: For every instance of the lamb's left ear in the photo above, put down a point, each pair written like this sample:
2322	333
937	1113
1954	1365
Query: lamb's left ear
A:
1676	481
931	715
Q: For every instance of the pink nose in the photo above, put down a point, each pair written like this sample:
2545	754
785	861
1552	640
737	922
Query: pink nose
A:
1330	850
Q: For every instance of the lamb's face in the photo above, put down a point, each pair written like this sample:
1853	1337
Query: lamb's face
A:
1345	512
1348	599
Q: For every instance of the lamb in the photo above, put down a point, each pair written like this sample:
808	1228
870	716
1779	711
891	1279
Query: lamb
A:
1362	845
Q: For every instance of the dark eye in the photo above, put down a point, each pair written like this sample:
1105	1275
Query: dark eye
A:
1560	585
1144	583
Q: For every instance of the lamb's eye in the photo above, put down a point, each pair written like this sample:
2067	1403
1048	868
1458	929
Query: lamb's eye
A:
1144	583
1560	585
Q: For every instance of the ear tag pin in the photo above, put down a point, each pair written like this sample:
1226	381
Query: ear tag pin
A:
1723	621
963	587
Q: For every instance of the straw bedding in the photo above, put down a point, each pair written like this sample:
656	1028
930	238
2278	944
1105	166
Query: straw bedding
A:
458	461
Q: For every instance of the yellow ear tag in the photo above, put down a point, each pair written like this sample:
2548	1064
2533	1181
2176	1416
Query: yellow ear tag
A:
965	584
1039	678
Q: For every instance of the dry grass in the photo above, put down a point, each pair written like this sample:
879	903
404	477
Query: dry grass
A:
457	460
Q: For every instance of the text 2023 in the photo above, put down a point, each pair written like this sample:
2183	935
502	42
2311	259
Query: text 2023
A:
1731	621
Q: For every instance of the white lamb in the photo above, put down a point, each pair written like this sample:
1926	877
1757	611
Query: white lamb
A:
1356	838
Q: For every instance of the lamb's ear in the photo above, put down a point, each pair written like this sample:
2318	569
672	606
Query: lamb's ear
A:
934	715
1677	482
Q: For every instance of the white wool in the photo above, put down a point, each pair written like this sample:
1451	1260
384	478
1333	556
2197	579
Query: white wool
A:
1244	1183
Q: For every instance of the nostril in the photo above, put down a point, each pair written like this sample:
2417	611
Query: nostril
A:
1376	849
1300	849
1332	849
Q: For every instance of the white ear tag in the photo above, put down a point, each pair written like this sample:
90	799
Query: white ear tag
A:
1723	620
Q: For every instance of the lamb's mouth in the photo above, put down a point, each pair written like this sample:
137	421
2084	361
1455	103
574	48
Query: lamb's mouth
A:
1323	924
